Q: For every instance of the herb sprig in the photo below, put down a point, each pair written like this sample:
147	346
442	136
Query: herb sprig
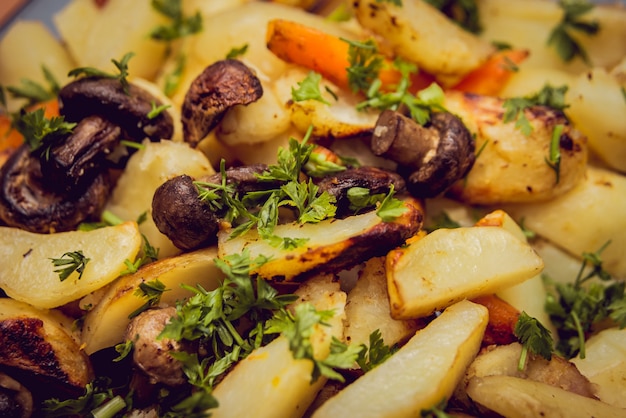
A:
40	133
70	262
180	25
463	12
534	337
561	36
121	65
549	95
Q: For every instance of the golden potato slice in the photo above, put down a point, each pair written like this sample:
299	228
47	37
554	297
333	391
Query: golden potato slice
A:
104	326
511	166
332	244
514	397
38	342
418	32
422	373
584	219
367	309
271	377
449	265
27	272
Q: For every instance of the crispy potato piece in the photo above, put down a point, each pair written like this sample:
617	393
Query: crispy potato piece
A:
27	273
277	385
104	325
578	222
418	32
38	342
511	166
514	397
367	309
449	265
332	244
422	373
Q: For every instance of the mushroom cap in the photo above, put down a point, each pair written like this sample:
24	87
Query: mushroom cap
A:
107	98
27	203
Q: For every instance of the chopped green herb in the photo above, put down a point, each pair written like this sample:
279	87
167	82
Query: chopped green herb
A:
550	96
237	52
174	77
443	220
156	110
309	89
341	13
318	165
554	159
396	2
180	25
376	353
121	65
96	394
40	133
150	291
365	64
561	36
391	208
534	337
123	349
70	262
34	92
436	411
361	198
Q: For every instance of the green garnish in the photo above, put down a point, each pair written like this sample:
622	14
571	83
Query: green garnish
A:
150	291
180	25
391	208
174	77
123	349
365	64
550	96
534	337
121	65
442	220
34	92
97	394
554	159
561	36
156	110
576	307
70	262
462	12
376	353
40	133
237	52
309	89
317	165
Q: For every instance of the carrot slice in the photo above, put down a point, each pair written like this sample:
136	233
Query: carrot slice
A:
326	54
502	320
489	78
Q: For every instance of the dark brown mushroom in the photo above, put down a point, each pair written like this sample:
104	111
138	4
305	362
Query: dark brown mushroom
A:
431	158
80	156
219	87
106	97
186	220
152	355
27	202
377	180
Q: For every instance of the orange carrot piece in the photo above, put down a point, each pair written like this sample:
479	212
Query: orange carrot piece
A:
325	54
502	320
489	78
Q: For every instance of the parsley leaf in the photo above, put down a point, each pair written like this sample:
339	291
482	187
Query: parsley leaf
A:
391	208
96	394
156	110
41	133
35	92
70	262
237	52
121	65
534	337
180	25
365	64
554	158
152	292
561	38
309	89
550	96
374	354
360	198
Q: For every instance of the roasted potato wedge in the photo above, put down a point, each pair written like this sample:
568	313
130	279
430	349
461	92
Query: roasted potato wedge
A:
27	273
105	324
422	373
277	385
514	397
449	265
418	32
38	343
511	166
577	223
332	244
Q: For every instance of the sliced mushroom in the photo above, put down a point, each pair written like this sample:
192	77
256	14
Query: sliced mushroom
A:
107	98
430	158
152	355
80	157
189	222
219	87
375	179
27	203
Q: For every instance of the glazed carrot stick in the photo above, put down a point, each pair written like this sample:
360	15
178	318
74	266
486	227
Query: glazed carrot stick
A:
502	320
326	54
489	78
